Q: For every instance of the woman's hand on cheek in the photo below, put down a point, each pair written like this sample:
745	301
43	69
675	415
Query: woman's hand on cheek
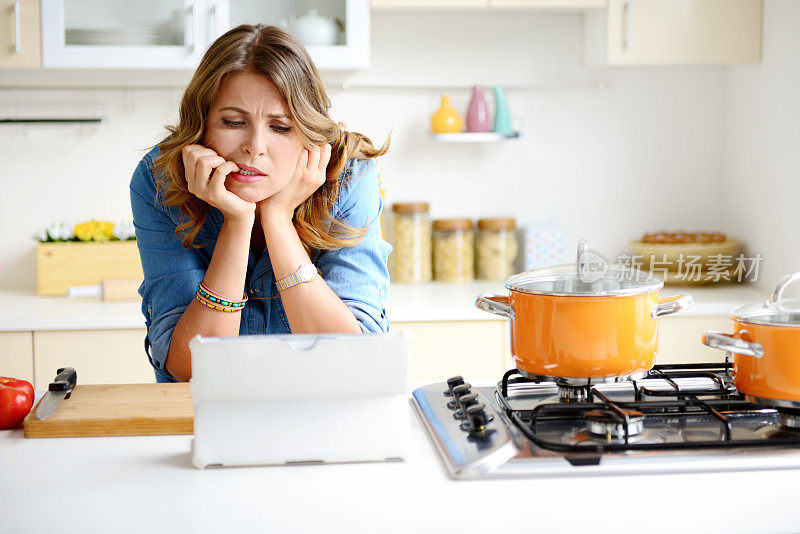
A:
309	175
205	177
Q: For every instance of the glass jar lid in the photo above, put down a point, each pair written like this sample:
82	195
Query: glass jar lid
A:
410	207
450	225
592	276
777	311
497	223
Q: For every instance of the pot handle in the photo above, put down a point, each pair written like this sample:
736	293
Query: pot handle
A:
496	304
726	342
672	304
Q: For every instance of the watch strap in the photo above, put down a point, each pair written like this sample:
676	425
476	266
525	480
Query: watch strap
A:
296	277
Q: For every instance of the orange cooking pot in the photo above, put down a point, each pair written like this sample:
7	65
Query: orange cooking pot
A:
766	348
580	324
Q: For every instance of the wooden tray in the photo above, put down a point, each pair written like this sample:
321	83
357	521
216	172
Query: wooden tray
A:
118	410
672	252
61	265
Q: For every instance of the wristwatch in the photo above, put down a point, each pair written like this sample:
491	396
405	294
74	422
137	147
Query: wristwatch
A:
305	273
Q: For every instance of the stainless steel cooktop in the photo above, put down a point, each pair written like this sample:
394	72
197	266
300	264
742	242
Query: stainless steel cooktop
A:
677	418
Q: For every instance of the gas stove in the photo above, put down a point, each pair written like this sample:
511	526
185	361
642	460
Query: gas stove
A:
674	418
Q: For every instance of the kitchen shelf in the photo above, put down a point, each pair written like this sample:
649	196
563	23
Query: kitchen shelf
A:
52	120
473	137
449	87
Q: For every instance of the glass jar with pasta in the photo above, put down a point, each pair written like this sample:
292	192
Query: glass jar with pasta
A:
412	242
453	250
496	245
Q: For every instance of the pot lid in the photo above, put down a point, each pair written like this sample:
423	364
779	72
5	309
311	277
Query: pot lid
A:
777	311
592	276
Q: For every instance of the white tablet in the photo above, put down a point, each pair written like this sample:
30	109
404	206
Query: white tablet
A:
299	398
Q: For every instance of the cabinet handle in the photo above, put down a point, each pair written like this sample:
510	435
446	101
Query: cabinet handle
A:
213	21
627	42
192	22
213	11
17	30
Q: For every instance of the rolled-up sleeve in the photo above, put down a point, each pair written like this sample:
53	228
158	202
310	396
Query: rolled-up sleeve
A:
358	275
171	272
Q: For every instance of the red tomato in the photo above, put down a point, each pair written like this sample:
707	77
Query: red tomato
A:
16	399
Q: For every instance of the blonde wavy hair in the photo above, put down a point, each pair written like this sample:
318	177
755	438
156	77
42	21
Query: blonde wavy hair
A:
283	60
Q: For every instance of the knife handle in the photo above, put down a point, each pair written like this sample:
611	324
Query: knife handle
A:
65	380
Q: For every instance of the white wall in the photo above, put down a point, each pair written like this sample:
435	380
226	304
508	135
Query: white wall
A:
607	165
52	173
645	154
762	143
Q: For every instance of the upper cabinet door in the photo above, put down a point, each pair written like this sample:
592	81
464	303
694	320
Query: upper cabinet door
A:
429	4
683	32
335	32
547	4
20	34
111	34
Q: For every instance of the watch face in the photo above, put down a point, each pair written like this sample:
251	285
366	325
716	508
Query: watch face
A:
307	272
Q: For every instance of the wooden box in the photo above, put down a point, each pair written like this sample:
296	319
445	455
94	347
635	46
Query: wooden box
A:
61	265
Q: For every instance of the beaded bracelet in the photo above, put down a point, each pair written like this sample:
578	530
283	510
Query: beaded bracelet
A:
218	302
215	307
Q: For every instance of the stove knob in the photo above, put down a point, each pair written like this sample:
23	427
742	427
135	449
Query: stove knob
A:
476	418
458	391
453	382
464	402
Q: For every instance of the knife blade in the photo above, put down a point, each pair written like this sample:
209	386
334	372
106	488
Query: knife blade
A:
59	389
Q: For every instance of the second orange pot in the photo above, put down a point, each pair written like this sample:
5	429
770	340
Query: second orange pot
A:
766	348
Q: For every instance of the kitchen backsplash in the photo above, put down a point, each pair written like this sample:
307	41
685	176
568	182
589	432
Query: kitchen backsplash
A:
646	153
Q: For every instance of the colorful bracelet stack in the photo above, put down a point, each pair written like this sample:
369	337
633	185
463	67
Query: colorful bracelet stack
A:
210	299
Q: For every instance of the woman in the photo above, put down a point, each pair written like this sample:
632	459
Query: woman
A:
258	213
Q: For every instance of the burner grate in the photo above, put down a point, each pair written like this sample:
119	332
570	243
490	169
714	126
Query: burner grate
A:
720	403
669	373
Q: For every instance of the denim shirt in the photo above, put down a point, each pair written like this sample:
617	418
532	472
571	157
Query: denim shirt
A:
358	274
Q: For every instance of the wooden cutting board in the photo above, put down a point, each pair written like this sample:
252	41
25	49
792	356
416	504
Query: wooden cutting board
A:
118	410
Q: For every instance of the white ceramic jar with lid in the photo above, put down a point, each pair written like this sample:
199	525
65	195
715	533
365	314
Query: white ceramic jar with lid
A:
312	28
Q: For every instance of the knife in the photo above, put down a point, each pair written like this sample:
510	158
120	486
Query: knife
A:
58	390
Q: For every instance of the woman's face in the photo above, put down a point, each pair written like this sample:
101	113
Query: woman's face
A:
249	124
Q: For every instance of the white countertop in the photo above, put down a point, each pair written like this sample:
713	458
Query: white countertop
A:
26	311
148	484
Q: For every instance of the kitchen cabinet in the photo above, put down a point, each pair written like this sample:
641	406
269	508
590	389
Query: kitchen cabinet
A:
679	339
101	34
20	34
440	349
566	4
674	32
434	4
174	34
16	355
99	356
479	349
352	50
461	4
